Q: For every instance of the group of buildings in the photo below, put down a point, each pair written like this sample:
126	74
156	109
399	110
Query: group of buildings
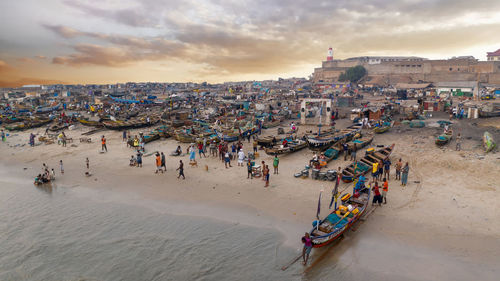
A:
460	74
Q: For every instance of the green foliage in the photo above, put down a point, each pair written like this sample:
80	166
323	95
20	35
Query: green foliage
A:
353	74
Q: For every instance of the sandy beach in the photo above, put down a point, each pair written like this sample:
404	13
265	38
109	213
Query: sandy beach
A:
450	202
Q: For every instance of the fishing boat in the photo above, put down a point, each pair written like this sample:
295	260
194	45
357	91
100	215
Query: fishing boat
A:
58	127
90	123
151	136
444	138
47	109
381	129
488	142
164	131
323	142
487	114
267	141
365	164
341	219
27	124
359	143
292	146
271	124
130	124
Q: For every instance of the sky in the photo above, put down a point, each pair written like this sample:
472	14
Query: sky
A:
115	41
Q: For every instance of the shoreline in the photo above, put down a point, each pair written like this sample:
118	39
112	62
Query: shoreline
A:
449	203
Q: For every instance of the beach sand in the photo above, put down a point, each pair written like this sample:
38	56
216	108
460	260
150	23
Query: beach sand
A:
450	202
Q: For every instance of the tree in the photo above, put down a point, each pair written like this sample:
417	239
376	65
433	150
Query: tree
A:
353	74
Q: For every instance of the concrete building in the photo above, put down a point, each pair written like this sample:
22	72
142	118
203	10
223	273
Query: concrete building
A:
493	56
384	71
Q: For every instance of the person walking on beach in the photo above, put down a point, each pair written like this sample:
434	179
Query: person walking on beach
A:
139	159
241	157
32	139
192	154
124	135
61	166
404	174
249	169
458	146
163	162
399	166
255	146
103	144
87	163
385	189
266	175
158	163
387	168
276	162
306	239
2	133
227	160
181	170
377	198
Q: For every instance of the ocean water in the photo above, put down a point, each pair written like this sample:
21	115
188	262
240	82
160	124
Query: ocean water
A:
58	234
76	233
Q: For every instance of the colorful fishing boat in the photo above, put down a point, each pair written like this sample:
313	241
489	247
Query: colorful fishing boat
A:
381	129
291	146
90	123
365	164
28	124
488	142
444	138
341	219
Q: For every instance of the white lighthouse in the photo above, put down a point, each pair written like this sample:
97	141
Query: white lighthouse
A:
329	56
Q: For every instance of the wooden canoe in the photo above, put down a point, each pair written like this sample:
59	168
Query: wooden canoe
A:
336	223
364	165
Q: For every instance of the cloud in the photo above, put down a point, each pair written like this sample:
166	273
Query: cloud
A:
25	60
63	31
270	36
5	67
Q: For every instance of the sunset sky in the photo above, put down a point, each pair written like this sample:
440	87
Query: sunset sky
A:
100	41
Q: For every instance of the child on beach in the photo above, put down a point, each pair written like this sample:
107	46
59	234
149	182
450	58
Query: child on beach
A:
61	165
87	162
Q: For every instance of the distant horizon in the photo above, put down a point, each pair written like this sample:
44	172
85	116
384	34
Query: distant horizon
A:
111	41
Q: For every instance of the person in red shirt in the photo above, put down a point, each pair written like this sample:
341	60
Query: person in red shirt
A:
377	197
385	188
201	150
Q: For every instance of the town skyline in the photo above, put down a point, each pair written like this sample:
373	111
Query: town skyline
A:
108	42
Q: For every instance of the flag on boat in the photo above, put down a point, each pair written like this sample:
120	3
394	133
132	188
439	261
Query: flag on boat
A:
319	206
